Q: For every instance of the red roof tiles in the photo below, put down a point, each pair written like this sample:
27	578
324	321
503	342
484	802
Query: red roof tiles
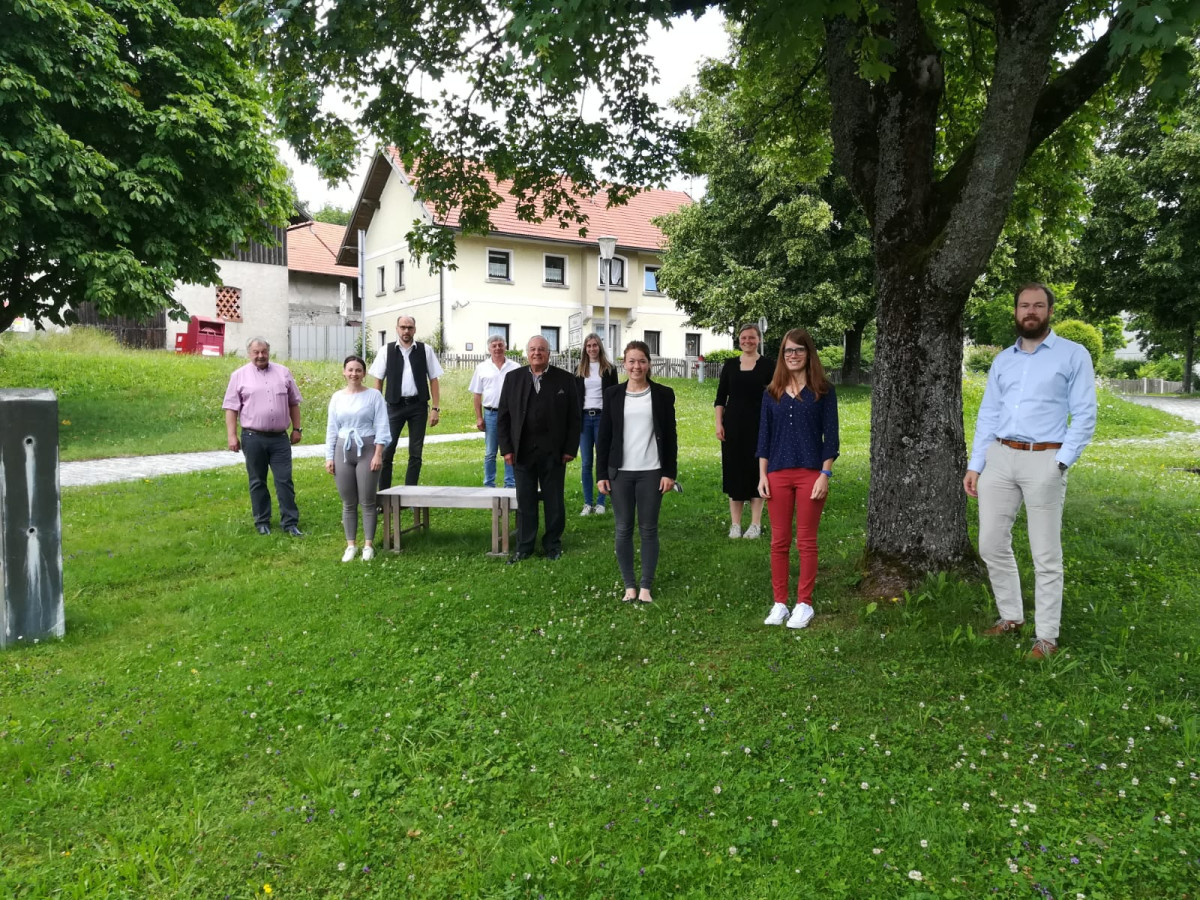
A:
630	224
313	246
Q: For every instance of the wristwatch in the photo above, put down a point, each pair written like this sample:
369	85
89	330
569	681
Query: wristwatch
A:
436	408
297	431
1062	467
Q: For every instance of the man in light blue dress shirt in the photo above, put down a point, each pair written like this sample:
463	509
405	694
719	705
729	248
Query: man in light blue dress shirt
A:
1037	415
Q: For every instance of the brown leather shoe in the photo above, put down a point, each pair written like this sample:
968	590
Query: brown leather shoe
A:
1003	626
1043	650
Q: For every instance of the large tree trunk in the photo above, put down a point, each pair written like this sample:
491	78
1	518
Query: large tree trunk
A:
916	508
852	339
1189	356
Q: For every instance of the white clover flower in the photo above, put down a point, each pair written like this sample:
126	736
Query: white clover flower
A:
877	850
924	843
865	786
716	789
733	851
915	875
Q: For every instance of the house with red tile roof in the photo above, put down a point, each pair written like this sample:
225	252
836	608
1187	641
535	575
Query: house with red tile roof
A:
522	278
320	292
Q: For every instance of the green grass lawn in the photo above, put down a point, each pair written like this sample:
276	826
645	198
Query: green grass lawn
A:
230	712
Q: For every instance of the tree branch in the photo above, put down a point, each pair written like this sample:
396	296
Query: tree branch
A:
854	120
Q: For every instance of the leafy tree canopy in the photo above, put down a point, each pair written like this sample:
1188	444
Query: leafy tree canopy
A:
934	107
133	149
1140	251
334	215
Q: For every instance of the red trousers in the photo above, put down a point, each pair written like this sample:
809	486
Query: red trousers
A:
791	497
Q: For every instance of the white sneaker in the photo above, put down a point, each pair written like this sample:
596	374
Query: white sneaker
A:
599	510
735	530
368	554
349	554
752	532
801	616
586	511
779	614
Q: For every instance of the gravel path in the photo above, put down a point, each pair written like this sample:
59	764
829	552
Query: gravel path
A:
1185	409
132	468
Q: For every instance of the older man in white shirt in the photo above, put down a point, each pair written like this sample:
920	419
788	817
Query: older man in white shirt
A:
485	386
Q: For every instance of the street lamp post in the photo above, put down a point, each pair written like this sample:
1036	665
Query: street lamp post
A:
608	245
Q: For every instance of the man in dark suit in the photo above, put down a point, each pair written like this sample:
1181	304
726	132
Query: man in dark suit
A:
538	432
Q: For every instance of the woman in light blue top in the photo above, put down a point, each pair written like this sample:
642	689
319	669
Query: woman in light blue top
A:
356	434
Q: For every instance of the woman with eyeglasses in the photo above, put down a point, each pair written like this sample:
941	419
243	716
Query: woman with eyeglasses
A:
737	409
797	444
637	457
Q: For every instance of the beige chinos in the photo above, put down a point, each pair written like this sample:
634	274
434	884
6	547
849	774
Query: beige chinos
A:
1009	478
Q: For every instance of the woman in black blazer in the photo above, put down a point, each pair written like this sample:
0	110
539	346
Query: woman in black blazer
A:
593	376
637	455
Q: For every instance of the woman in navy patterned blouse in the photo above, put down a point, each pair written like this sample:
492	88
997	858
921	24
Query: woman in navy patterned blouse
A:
797	444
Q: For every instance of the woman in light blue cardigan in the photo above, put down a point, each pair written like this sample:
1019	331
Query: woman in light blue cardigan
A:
356	435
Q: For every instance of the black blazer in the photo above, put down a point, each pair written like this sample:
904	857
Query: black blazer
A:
514	403
610	445
607	379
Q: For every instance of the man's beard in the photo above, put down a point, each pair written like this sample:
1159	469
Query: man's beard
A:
1033	332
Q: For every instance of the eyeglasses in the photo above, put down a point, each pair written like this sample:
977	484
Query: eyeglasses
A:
794	351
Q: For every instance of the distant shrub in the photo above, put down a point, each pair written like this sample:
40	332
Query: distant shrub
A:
1110	367
1082	333
1166	367
719	356
979	358
832	358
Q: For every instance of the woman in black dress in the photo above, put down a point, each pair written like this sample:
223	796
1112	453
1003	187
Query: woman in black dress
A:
738	407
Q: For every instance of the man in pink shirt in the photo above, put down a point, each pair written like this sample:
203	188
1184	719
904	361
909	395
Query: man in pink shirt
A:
264	397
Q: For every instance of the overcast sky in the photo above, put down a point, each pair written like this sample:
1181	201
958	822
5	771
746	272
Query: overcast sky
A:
678	53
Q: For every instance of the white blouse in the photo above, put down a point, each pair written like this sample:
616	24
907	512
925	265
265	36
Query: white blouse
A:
354	418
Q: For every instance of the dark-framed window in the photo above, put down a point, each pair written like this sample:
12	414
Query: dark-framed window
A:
650	280
653	341
554	269
499	265
617	265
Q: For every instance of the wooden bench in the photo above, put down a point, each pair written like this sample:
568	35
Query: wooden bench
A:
420	499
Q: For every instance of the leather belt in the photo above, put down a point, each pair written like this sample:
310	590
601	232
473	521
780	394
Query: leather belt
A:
492	408
263	433
593	412
1026	445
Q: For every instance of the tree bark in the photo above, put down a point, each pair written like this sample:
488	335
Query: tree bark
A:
852	339
1189	356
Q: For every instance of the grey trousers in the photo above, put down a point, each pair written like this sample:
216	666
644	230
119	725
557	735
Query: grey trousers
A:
356	484
637	491
1009	478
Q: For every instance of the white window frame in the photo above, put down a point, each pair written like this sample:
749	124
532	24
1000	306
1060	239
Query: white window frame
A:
566	270
492	279
624	285
657	292
380	280
399	275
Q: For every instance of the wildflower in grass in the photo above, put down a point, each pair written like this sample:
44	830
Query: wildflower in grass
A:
266	888
341	867
916	875
733	851
716	789
865	786
877	850
924	843
966	806
1134	782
